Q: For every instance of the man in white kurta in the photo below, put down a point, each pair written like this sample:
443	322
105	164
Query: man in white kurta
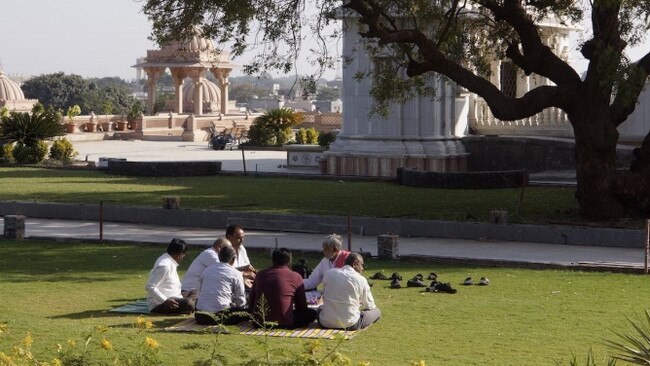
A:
347	300
221	291
164	287
334	257
235	233
204	260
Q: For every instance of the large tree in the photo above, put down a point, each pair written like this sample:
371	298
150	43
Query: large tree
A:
57	90
459	39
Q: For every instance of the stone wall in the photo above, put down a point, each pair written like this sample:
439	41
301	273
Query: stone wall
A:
526	153
164	168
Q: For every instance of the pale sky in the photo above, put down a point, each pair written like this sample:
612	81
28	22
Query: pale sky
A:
91	38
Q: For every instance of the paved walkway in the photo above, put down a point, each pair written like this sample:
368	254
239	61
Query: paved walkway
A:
470	250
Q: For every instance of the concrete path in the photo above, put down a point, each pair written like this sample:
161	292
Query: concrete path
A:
471	251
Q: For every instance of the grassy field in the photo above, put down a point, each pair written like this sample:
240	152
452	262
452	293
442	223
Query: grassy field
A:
60	291
295	196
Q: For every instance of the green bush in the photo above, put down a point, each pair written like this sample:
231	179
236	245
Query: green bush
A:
326	139
62	150
7	153
311	136
301	136
274	127
25	154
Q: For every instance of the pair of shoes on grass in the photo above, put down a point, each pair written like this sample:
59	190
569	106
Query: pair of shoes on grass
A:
417	281
441	287
484	281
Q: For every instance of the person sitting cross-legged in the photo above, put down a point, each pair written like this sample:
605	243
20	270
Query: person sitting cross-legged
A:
334	257
221	292
164	287
347	300
204	260
278	295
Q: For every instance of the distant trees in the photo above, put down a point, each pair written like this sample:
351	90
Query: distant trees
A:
61	91
327	93
245	91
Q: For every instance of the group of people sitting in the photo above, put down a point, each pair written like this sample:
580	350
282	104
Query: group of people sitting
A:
221	286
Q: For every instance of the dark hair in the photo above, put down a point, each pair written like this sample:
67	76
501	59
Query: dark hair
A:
227	254
353	257
231	229
176	246
281	257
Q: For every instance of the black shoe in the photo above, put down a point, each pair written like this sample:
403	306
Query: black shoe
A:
445	287
396	276
379	276
415	282
395	283
432	276
419	277
484	281
468	281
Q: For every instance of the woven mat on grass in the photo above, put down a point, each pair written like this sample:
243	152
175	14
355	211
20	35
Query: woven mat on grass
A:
247	328
138	307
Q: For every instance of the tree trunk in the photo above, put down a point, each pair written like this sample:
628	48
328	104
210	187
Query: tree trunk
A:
596	139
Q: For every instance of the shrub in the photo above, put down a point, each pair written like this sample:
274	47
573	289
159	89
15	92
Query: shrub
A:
6	152
62	150
311	136
26	154
29	129
301	136
274	127
326	139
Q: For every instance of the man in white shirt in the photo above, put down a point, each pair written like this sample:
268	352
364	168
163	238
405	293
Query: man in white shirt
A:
334	257
221	292
164	287
204	260
347	300
235	234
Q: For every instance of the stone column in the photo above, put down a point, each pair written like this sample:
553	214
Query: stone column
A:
222	77
178	76
153	73
14	227
387	246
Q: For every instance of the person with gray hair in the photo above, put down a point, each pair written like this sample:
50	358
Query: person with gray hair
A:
221	293
347	300
334	257
207	258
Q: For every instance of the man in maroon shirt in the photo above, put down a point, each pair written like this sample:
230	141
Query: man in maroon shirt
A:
278	294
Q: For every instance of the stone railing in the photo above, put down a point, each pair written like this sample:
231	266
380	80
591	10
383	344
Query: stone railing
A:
323	122
550	122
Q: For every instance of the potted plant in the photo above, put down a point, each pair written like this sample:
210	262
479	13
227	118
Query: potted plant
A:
107	108
72	112
134	112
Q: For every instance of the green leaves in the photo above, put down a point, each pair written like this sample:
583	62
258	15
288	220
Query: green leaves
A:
29	129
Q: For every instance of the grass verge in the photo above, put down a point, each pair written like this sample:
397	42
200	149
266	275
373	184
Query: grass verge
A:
59	291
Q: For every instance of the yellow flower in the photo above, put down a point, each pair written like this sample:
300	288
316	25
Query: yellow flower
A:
148	325
364	363
3	328
421	363
140	321
57	362
72	343
5	359
151	343
106	344
101	328
27	341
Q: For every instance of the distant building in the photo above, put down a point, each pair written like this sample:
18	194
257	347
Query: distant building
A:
12	97
328	106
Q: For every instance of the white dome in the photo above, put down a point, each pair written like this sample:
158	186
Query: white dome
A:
211	92
9	90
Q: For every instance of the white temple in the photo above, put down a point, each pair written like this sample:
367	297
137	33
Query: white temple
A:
12	97
425	132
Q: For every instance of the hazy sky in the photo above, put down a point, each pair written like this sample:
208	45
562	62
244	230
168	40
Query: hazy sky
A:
92	38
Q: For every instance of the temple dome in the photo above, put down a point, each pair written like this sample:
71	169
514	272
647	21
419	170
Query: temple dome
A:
198	43
211	92
9	90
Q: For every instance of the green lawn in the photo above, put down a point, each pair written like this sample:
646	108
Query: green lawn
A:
282	195
60	291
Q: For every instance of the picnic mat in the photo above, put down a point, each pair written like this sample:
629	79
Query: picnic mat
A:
137	307
247	328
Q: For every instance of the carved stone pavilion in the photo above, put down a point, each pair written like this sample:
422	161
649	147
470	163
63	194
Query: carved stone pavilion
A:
190	59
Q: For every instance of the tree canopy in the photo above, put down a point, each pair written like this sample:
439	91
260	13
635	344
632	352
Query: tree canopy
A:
412	40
